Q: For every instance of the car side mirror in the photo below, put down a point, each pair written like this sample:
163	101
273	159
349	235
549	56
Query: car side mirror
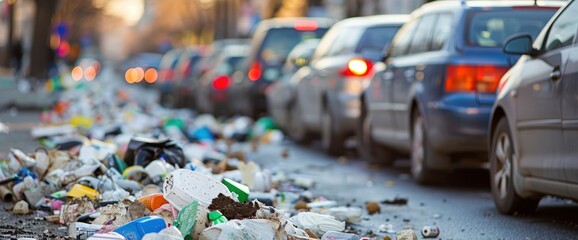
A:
520	44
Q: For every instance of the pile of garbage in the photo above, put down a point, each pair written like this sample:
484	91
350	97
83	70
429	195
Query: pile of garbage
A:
115	165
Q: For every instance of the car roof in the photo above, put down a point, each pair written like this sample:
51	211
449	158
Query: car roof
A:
290	22
455	4
235	50
389	19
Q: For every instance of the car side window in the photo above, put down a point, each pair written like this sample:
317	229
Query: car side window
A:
345	42
325	43
421	39
403	38
563	30
441	32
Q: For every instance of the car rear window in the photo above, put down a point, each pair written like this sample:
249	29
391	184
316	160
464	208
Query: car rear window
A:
280	41
376	38
491	28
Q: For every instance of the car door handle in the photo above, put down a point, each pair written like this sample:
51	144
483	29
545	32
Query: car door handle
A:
555	74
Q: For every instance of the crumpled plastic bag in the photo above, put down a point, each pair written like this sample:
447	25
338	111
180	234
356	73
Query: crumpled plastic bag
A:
142	151
245	229
317	223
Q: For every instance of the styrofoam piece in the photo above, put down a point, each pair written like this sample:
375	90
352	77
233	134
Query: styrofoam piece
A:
182	186
40	132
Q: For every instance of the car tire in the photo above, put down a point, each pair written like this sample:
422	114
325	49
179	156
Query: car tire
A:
422	154
368	149
506	199
332	141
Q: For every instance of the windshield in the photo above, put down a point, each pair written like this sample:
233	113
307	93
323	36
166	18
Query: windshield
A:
280	41
491	28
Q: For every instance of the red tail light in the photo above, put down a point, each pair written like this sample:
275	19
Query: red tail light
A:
357	67
221	82
468	78
166	75
255	71
305	25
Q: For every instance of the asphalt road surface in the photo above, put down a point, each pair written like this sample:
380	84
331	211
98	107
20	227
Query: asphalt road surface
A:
462	208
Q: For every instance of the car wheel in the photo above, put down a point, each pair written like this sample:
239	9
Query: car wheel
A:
501	173
296	129
422	154
367	148
332	140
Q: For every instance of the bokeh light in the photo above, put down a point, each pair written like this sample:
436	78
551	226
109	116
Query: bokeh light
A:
63	49
77	73
140	74
151	75
131	75
90	73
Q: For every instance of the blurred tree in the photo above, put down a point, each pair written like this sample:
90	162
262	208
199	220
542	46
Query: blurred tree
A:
7	54
41	54
285	8
81	19
353	8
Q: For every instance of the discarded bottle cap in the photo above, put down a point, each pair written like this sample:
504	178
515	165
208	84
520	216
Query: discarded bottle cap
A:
153	201
79	190
217	218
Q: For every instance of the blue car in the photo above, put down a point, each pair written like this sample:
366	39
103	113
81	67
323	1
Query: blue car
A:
432	95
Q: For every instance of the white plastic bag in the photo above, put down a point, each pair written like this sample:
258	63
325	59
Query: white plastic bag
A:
317	223
245	229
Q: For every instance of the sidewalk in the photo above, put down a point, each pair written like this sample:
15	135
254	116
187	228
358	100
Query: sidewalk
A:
10	96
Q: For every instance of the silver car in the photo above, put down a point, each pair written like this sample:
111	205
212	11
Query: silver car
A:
328	97
281	94
534	123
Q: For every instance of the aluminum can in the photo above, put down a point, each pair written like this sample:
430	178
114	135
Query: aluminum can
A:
430	231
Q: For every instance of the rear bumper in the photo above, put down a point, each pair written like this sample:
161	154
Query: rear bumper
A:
458	129
220	101
346	110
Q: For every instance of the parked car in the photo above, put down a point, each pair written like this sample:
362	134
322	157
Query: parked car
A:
212	91
181	89
212	52
327	99
270	45
167	70
533	127
147	62
433	97
282	94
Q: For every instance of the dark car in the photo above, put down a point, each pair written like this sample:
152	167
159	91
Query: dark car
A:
270	45
211	53
212	91
327	100
167	74
181	89
433	97
281	94
534	122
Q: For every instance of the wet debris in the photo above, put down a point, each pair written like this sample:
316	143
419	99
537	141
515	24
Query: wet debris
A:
395	201
372	208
